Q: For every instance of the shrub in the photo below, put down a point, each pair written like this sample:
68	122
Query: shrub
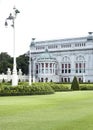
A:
24	89
75	84
86	86
59	87
41	88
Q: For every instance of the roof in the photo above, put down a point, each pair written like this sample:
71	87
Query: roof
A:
46	56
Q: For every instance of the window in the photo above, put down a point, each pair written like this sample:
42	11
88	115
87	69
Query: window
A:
39	47
50	65
42	65
65	45
66	66
52	46
65	79
46	65
46	79
79	44
42	71
42	80
36	69
80	65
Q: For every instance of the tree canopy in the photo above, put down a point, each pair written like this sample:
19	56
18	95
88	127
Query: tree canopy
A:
22	63
6	61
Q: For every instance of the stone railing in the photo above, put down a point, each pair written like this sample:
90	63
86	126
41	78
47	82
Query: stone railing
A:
8	77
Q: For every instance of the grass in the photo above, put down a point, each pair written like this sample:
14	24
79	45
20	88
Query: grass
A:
60	111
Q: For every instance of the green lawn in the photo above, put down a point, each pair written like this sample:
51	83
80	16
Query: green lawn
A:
60	111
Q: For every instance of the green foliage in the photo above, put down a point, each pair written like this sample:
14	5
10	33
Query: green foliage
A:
41	88
6	61
22	62
59	87
75	84
24	89
3	81
86	86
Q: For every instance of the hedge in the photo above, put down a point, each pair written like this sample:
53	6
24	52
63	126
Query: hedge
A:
34	89
38	88
86	86
59	87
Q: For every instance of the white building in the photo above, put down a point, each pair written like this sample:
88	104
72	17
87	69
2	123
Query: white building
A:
61	60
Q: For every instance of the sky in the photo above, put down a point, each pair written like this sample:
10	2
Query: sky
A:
43	20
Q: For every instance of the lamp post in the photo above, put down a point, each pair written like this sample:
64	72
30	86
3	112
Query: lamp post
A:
12	18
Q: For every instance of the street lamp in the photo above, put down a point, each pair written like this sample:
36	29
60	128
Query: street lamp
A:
12	18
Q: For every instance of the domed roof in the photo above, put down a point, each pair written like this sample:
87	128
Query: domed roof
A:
46	56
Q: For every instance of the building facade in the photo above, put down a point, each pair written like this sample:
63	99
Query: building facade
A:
61	60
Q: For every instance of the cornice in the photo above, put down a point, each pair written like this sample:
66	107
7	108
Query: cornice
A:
66	40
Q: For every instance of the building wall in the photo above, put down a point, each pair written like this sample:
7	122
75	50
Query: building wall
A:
72	50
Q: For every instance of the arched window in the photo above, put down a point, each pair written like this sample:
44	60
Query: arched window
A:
80	64
66	65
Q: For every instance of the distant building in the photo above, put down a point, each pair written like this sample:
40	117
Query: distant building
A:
60	60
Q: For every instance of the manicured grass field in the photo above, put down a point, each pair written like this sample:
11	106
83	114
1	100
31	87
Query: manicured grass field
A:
59	111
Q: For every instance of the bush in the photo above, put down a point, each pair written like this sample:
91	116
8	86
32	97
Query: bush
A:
59	87
24	89
41	88
75	84
86	86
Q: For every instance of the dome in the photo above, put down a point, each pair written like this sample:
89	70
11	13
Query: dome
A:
46	56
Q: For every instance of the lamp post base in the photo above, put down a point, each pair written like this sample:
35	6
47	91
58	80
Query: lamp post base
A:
14	79
30	82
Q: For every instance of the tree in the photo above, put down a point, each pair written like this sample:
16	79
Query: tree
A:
22	63
75	84
5	62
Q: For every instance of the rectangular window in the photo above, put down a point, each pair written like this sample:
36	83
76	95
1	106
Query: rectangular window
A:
65	70
69	70
76	65
46	64
50	64
62	65
79	65
42	65
68	79
42	79
65	79
69	66
36	66
65	65
79	70
61	79
36	71
76	70
62	71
